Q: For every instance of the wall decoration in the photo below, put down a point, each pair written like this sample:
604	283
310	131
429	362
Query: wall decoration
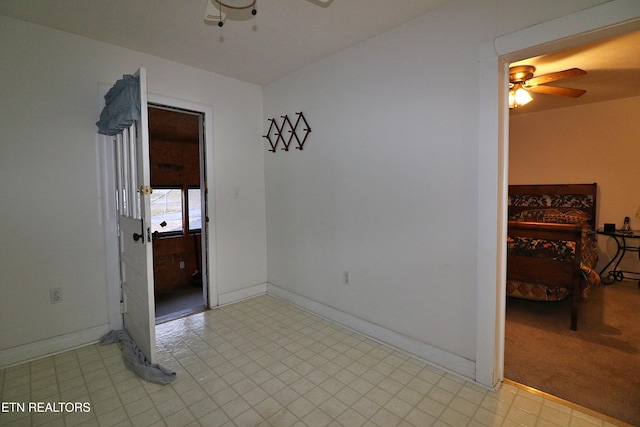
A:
276	132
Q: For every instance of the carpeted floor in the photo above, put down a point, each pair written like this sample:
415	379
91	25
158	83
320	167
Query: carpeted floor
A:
597	366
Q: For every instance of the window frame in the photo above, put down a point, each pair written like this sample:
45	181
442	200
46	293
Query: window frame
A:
185	228
187	222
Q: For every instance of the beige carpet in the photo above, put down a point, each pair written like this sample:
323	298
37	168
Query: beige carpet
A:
597	366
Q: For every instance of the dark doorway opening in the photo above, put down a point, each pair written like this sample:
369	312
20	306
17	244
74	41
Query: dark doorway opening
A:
178	206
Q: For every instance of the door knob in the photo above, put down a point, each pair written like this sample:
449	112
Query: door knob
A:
137	236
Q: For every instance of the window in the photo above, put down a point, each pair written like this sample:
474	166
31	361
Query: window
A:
168	206
166	210
195	211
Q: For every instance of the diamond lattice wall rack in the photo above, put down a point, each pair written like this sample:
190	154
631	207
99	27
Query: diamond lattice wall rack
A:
277	132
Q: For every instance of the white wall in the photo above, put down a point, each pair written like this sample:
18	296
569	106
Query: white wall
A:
50	205
591	143
387	184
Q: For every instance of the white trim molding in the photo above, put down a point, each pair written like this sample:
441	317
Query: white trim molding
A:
441	359
239	295
50	346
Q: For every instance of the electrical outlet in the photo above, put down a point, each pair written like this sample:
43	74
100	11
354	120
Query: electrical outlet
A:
346	278
55	295
181	265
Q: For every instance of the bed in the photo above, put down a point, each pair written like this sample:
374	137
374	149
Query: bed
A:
551	243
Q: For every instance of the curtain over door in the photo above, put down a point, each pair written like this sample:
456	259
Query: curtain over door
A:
125	118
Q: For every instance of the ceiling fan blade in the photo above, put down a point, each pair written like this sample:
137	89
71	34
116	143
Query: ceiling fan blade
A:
562	91
559	75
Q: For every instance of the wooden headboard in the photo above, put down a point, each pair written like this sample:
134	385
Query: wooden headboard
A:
562	197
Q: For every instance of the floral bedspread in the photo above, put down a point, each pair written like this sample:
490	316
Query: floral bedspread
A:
554	250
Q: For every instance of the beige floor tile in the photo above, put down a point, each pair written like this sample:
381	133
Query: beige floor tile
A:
263	362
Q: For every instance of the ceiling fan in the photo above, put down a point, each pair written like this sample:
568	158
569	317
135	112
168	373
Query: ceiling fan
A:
218	11
522	81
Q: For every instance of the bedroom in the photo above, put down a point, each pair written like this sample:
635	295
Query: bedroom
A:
590	142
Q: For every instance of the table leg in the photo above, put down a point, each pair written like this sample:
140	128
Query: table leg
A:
613	274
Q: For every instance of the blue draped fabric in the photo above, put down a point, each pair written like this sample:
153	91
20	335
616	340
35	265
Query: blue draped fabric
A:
122	106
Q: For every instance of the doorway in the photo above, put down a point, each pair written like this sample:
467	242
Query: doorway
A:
178	211
539	143
598	22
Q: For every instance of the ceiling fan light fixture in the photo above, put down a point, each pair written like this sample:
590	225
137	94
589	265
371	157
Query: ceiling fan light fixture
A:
519	96
522	96
521	73
218	11
522	80
236	4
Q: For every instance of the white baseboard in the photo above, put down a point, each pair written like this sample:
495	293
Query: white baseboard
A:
434	356
429	354
54	345
50	346
235	296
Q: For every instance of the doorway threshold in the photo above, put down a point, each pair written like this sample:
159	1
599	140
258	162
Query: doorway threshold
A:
178	303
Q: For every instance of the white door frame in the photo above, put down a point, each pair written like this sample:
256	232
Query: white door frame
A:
106	164
606	20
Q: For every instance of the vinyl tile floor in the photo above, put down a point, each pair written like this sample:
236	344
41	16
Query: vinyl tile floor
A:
264	362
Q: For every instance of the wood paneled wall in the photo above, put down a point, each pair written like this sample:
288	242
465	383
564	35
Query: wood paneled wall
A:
168	253
174	163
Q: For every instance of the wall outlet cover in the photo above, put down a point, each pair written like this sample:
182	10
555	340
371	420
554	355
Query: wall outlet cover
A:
55	295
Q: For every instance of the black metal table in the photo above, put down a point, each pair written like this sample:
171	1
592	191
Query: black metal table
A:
623	246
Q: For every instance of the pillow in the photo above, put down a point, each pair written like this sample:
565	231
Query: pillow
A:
573	216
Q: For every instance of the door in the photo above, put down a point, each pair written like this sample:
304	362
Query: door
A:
134	232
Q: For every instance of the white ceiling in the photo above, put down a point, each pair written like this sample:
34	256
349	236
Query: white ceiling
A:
287	35
284	36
